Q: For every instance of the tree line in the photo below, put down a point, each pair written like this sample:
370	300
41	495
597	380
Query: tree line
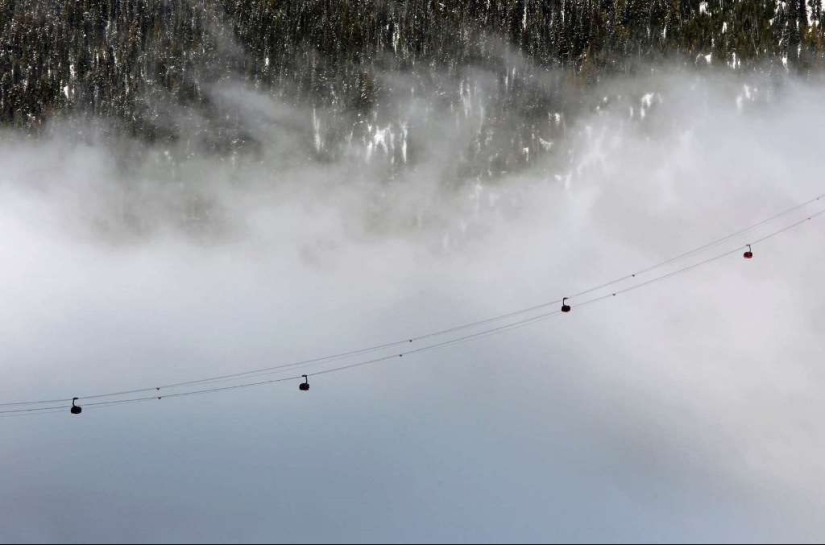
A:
132	60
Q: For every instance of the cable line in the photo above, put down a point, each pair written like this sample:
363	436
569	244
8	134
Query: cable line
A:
437	346
159	394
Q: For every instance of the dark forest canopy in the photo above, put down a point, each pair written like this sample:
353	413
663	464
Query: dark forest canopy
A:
125	59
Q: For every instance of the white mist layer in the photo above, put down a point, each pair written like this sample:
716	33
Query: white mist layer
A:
688	410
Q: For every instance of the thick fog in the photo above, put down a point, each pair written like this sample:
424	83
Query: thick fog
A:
686	410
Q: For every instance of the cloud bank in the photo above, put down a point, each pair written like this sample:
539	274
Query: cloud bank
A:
684	411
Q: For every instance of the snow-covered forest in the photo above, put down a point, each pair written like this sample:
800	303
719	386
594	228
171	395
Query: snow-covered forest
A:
150	67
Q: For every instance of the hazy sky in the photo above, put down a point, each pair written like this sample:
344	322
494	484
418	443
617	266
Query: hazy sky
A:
688	410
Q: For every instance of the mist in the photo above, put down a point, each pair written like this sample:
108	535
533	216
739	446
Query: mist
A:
687	410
